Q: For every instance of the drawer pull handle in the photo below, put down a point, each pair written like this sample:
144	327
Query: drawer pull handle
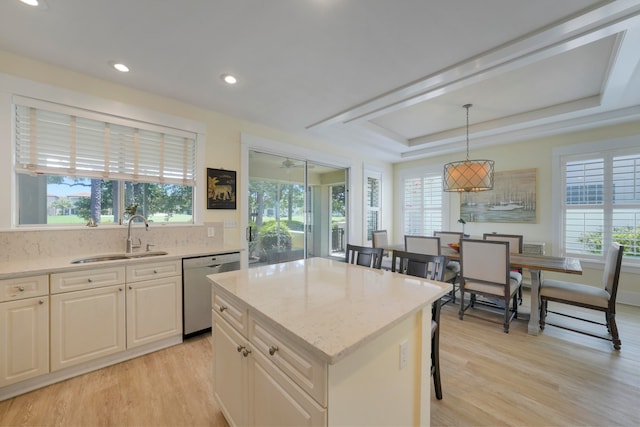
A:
89	280
273	349
223	308
21	288
240	348
246	352
41	301
155	271
130	287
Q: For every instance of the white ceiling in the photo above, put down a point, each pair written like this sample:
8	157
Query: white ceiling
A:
386	76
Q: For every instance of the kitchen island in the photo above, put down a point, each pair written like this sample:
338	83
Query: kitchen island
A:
322	342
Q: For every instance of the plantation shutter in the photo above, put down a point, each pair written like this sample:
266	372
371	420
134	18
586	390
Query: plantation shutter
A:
584	205
373	205
59	140
602	203
422	209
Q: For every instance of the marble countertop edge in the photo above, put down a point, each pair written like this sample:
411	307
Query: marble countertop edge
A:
37	265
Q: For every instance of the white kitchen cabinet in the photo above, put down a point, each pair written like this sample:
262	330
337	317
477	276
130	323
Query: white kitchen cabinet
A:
24	328
276	399
92	316
86	325
154	310
154	301
81	280
251	390
230	367
259	377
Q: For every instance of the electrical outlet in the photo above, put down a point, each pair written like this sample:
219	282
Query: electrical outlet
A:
211	232
404	354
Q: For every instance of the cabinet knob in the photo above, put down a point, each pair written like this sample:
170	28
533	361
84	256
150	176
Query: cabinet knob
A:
41	301
130	287
223	308
155	271
273	349
246	352
240	348
21	288
89	280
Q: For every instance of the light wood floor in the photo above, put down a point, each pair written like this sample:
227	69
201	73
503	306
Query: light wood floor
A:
489	378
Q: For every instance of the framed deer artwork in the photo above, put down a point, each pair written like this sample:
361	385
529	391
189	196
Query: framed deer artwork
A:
221	189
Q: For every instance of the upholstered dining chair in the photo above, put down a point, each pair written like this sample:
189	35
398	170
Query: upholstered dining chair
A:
486	271
516	245
430	267
380	239
431	246
363	255
582	295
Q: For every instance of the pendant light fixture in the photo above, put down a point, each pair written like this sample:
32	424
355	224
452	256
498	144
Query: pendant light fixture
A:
468	175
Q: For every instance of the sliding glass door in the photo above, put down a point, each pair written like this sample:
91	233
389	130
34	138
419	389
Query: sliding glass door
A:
297	209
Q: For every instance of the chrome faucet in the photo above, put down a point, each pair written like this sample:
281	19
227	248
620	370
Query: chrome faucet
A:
129	241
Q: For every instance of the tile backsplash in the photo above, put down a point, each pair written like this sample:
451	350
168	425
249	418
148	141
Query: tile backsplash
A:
20	244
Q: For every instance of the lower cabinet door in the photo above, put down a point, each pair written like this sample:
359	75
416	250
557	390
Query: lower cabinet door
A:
86	325
154	310
229	372
24	339
276	400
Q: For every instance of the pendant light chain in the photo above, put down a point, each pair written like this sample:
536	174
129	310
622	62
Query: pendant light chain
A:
467	106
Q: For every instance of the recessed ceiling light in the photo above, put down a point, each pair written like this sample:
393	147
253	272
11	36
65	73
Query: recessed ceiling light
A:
229	79
30	2
121	67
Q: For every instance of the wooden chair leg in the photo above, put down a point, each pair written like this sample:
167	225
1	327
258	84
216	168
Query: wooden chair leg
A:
611	321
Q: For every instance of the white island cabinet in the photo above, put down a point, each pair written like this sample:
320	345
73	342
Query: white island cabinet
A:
318	342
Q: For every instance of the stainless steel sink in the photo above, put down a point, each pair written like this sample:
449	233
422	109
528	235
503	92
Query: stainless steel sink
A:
146	254
114	257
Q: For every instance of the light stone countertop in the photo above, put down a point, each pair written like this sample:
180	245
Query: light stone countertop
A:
330	307
43	265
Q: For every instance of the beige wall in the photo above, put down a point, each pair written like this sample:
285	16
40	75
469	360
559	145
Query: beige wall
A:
536	153
223	133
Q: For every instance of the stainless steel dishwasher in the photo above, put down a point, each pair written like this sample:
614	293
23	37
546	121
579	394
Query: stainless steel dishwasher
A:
196	289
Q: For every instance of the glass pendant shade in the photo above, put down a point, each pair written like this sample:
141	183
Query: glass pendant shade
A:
468	175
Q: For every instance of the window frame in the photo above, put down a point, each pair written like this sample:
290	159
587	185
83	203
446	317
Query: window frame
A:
11	87
607	150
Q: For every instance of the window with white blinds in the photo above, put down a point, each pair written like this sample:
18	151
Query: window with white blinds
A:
374	204
78	143
601	202
423	205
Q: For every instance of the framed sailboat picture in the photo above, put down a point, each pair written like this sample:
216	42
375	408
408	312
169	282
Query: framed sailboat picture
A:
513	199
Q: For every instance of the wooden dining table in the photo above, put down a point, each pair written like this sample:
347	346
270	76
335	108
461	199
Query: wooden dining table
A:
536	264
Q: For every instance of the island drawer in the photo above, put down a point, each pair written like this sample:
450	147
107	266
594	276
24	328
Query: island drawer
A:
302	367
230	310
24	287
153	270
86	279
